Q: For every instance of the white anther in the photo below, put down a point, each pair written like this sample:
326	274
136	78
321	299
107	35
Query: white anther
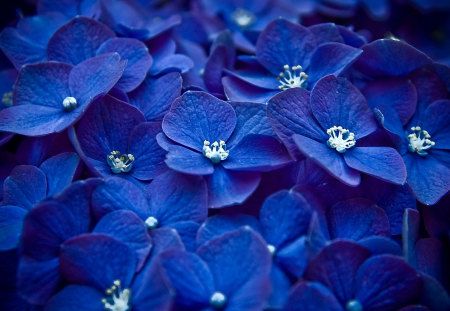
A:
292	77
419	141
216	151
340	139
69	103
120	164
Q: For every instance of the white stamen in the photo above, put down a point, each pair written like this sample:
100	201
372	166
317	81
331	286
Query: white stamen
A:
218	300
292	77
217	153
340	139
151	222
120	164
69	103
7	99
243	18
419	141
117	299
272	249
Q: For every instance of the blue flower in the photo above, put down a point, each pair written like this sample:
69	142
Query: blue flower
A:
327	125
200	129
49	97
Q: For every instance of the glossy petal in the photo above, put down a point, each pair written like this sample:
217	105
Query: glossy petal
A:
198	116
382	162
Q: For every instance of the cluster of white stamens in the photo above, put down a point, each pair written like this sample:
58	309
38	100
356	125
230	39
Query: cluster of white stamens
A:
117	299
216	152
118	163
7	99
243	18
69	103
292	77
419	141
340	139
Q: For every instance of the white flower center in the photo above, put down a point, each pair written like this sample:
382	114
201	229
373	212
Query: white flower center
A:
292	77
151	222
7	99
218	300
216	152
419	141
340	139
272	249
117	299
353	305
243	18
69	103
120	164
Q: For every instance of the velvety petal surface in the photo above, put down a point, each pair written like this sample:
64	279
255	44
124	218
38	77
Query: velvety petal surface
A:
60	170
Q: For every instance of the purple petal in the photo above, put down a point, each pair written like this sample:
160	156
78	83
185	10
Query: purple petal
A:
382	162
331	58
77	40
25	186
230	187
138	59
410	235
284	43
311	296
97	260
355	219
437	124
175	62
329	159
128	228
336	267
241	91
259	153
240	265
198	116
155	95
379	245
386	281
336	102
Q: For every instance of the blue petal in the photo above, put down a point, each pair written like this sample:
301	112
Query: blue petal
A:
386	281
337	102
198	116
336	267
11	222
149	156
97	260
331	58
326	32
311	296
381	245
138	59
155	95
128	228
185	160
241	91
436	122
177	197
410	235
60	170
77	297
280	288
190	276
355	219
165	239
329	159
382	162
176	62
230	187
284	43
259	153
187	230
77	40
284	216
240	265
25	186
293	257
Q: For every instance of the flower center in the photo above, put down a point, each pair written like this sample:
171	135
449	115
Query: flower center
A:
353	305
243	18
7	99
216	152
117	299
340	139
151	222
218	300
69	103
120	164
272	249
292	77
419	141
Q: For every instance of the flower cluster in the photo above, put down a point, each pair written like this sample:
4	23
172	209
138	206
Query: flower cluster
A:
225	155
